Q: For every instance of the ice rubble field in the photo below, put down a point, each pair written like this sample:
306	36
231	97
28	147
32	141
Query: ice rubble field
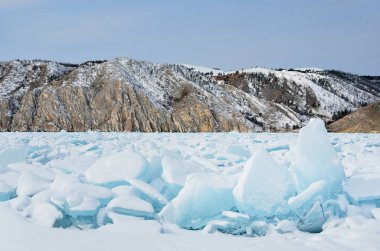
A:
115	191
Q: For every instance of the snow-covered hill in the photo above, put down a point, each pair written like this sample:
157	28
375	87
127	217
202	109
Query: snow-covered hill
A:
128	95
205	70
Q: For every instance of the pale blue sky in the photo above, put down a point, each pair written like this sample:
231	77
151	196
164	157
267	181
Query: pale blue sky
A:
338	34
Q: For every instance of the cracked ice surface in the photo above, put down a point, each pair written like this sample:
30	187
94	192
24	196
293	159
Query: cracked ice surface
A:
102	191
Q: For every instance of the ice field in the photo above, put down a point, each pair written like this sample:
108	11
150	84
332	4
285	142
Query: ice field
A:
203	191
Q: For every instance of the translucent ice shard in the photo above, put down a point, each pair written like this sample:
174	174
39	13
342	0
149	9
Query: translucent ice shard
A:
203	197
318	176
315	159
263	187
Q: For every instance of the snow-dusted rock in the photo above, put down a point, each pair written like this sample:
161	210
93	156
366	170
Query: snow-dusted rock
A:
93	96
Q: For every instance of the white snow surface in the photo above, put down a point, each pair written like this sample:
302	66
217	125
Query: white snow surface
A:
116	168
49	200
203	69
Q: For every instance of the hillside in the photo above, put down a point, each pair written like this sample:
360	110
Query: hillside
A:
365	120
128	95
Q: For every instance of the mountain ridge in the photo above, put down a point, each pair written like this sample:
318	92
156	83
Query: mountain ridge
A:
130	95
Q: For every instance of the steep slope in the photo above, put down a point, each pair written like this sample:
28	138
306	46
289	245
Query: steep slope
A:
365	120
129	95
17	78
126	95
307	93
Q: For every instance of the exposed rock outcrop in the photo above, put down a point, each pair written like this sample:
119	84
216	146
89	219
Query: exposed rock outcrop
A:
128	95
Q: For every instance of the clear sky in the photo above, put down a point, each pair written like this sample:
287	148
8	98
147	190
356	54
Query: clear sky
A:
234	34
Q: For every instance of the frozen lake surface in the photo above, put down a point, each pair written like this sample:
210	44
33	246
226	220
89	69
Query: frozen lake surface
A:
204	191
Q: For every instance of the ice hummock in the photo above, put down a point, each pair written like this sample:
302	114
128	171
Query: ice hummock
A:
318	177
6	191
131	205
43	213
362	189
115	169
263	187
149	193
203	197
30	184
209	182
12	154
305	193
176	168
78	199
315	159
309	194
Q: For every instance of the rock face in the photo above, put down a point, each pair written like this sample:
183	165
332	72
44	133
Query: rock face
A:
365	120
128	95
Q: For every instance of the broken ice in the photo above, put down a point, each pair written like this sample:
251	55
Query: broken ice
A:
242	184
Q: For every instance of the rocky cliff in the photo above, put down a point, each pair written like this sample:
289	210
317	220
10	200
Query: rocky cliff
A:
128	95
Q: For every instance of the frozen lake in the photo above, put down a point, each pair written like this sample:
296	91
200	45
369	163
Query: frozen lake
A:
145	191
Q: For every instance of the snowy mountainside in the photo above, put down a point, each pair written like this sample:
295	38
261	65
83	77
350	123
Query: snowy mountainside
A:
205	70
307	92
17	76
129	95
